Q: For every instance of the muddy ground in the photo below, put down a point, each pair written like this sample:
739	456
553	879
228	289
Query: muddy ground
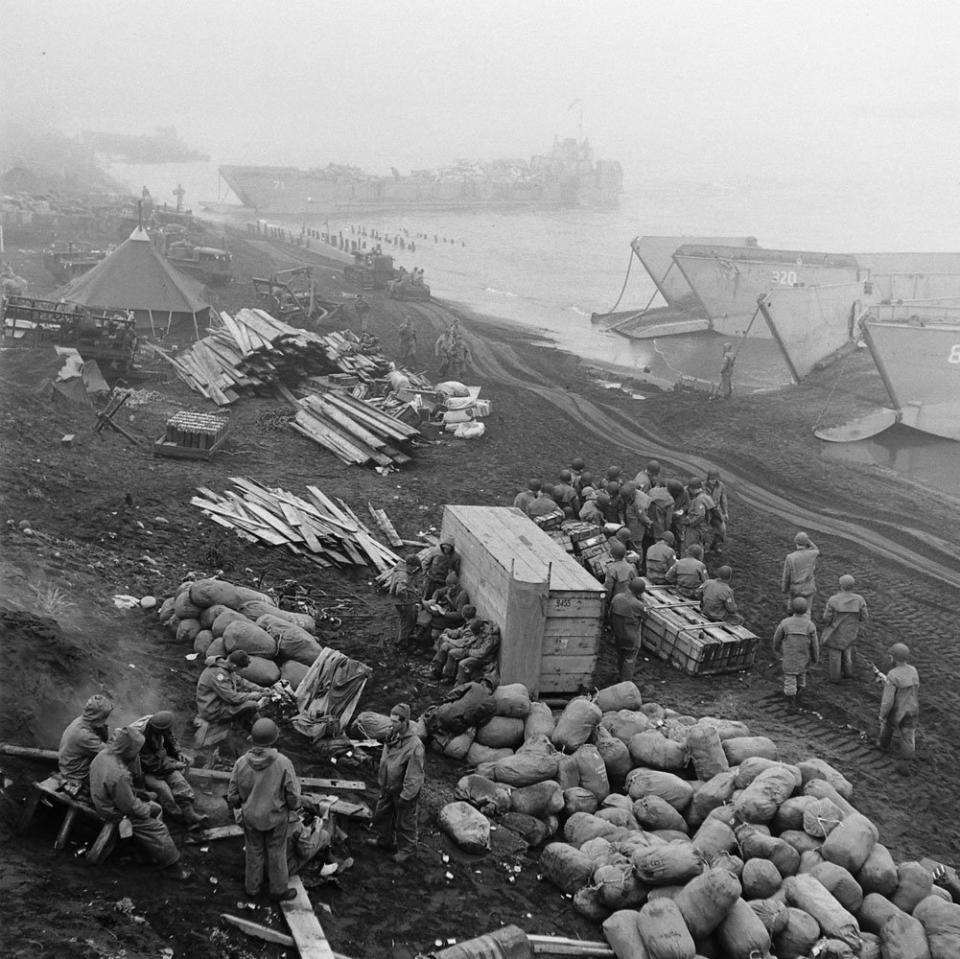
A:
107	518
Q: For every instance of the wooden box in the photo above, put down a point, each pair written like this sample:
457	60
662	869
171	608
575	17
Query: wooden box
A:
548	607
674	629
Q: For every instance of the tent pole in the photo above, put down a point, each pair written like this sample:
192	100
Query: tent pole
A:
196	328
153	329
169	321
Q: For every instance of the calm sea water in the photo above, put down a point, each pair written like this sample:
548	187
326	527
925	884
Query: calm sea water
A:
549	270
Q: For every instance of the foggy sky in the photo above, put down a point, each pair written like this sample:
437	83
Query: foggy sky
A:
739	89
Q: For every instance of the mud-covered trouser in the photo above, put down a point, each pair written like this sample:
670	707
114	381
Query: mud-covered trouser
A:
839	664
627	660
266	849
154	838
696	536
793	682
908	735
408	622
396	820
173	791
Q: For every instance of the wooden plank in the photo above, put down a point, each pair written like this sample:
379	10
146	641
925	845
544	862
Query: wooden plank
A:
306	929
260	932
559	946
307	782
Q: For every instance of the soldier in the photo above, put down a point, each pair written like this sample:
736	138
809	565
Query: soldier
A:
407	589
543	505
590	512
842	616
619	572
442	350
696	526
795	641
688	574
361	308
577	466
446	561
162	765
660	558
714	488
726	371
408	344
716	599
626	618
613	511
459	356
86	736
648	477
525	498
799	571
224	696
635	516
114	798
565	494
400	778
900	705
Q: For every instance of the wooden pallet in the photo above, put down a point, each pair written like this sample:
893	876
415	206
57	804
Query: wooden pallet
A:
675	630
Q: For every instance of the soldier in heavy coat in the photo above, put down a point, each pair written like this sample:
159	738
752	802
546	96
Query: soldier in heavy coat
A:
796	642
842	616
81	741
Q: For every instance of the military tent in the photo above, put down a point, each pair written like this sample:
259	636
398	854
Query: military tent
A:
137	277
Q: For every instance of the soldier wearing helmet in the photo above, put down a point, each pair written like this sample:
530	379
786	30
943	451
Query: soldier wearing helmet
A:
799	571
619	572
842	616
797	644
900	705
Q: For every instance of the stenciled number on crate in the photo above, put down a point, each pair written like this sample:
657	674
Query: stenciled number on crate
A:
567	602
954	356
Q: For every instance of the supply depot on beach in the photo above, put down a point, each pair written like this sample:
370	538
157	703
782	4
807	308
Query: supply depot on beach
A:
817	306
139	531
567	176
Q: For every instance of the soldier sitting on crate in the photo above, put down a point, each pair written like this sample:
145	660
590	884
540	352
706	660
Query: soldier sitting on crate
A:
447	603
452	638
627	610
80	743
716	599
660	558
472	661
619	572
115	800
162	766
688	574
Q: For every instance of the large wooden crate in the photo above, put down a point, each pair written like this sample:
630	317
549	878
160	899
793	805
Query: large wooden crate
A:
548	607
675	630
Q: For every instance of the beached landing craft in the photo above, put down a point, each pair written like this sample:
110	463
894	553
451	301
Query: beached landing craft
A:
684	312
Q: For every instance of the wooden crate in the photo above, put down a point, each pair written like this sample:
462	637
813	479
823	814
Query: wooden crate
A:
675	630
548	608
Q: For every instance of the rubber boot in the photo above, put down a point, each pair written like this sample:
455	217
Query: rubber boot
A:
192	819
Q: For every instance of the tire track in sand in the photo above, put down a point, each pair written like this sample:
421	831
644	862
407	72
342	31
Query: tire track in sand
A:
913	552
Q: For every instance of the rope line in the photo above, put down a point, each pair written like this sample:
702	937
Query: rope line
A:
623	289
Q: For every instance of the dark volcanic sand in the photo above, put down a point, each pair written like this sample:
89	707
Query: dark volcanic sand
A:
89	544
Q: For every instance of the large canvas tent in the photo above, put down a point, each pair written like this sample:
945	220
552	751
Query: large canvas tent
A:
137	277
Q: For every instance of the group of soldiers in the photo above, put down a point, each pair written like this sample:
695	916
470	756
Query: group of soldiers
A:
452	351
650	518
435	611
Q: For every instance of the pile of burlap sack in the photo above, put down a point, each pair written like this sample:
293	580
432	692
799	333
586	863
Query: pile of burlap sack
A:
217	617
688	837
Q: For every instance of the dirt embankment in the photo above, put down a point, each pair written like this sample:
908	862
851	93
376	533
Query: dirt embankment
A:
107	518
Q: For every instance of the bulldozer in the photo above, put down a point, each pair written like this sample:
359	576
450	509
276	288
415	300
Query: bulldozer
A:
370	271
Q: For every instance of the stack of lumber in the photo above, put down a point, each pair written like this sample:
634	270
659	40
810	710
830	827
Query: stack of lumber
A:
320	529
355	431
253	350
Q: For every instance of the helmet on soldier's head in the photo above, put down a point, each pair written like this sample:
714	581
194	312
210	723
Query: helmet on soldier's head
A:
617	549
577	463
724	573
847	581
637	586
565	476
900	652
652	467
798	604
